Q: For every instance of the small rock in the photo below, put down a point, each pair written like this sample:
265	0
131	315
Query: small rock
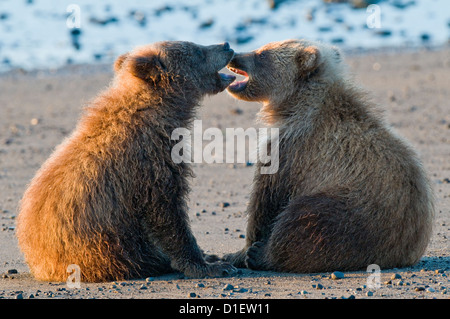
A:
34	121
11	271
419	289
325	29
243	39
236	111
319	286
200	285
337	275
396	276
142	287
227	287
425	37
19	296
241	290
369	294
105	21
192	295
207	24
337	40
303	292
383	33
224	204
274	4
429	289
149	279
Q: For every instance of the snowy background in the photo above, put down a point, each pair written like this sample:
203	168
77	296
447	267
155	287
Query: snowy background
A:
38	34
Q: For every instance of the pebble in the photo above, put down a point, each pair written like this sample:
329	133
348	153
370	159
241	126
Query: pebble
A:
318	286
303	292
11	271
241	290
396	276
236	111
192	295
337	275
207	24
429	289
227	287
369	294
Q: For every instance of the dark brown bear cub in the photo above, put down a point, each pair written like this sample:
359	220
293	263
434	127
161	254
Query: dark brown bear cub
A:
110	199
348	192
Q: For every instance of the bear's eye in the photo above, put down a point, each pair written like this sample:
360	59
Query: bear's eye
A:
262	55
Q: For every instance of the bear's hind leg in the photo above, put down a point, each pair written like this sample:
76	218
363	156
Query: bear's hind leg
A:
316	233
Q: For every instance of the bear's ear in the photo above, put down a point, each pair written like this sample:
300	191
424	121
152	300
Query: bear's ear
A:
308	59
147	68
119	61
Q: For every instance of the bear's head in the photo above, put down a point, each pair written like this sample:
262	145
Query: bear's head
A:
178	64
277	69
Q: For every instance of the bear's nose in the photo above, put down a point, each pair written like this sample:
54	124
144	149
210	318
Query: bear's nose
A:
226	46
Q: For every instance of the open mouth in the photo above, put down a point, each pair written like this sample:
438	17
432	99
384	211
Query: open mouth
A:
227	79
237	86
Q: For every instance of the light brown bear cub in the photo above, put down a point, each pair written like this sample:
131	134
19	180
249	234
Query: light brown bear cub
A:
348	192
110	199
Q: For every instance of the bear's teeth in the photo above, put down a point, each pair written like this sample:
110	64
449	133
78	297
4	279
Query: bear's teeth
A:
237	71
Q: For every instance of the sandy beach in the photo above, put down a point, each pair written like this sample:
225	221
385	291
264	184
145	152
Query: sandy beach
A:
39	109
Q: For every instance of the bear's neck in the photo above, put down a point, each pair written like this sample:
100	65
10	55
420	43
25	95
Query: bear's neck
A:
318	105
176	104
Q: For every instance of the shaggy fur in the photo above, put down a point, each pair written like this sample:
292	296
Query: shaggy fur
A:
349	192
110	199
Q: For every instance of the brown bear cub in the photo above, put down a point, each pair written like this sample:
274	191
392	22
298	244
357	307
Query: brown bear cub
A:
110	199
348	192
